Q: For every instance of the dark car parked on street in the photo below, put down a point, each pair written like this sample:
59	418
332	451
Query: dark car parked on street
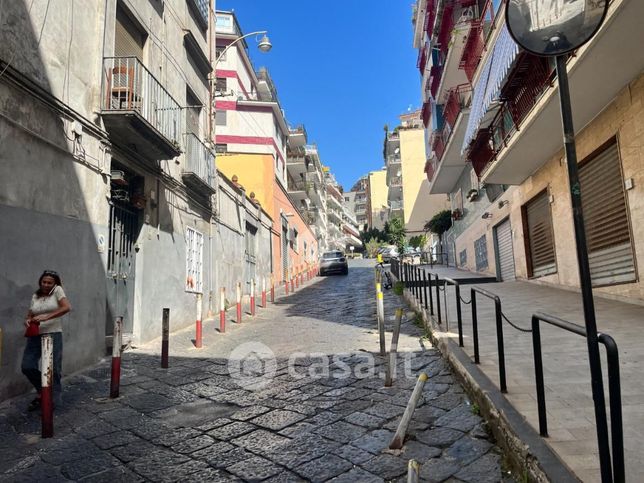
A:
333	262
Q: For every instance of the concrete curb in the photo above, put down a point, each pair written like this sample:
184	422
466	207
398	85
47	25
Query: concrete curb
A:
528	455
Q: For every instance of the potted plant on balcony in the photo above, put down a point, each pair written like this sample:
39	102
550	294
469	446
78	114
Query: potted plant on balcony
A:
472	194
138	200
457	214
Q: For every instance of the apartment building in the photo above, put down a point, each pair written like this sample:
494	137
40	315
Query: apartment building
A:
305	176
359	202
252	139
106	174
377	195
408	193
335	212
497	146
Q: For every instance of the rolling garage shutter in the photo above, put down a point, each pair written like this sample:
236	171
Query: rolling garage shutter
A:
504	251
540	236
128	39
610	250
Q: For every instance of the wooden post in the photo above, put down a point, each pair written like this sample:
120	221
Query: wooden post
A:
391	364
117	342
46	378
199	328
399	438
381	323
222	310
165	337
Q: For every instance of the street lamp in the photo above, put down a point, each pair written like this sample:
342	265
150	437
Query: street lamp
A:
553	28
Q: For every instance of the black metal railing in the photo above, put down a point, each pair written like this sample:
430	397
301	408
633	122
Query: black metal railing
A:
499	332
614	391
419	283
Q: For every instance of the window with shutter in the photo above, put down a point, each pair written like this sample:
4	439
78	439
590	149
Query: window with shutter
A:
129	40
608	234
193	111
539	236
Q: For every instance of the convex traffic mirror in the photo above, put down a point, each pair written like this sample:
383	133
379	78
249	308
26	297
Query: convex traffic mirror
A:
554	27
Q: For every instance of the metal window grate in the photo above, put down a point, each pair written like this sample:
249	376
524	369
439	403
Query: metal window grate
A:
194	261
480	253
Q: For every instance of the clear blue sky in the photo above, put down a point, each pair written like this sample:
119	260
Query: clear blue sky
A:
343	69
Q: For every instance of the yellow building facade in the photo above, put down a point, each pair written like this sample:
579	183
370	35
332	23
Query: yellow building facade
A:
418	205
377	192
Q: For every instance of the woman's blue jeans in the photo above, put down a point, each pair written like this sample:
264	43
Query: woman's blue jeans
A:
31	358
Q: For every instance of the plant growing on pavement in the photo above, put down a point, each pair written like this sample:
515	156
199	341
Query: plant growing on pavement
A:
399	288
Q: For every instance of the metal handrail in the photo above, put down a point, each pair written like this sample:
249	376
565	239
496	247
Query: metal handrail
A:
499	332
614	389
130	86
459	318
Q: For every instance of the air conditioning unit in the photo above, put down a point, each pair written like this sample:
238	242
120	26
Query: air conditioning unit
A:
118	177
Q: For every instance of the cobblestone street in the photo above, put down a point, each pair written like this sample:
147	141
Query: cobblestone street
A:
305	400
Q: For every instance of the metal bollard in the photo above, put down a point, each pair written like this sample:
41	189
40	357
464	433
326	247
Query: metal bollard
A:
264	292
199	328
286	284
399	437
252	297
381	322
46	377
222	310
292	283
391	365
165	337
272	291
117	343
239	302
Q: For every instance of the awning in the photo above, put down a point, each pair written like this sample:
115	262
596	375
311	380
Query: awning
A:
493	74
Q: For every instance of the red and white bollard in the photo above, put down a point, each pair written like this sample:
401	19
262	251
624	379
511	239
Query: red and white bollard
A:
264	292
239	303
222	310
252	297
165	338
117	343
199	328
46	379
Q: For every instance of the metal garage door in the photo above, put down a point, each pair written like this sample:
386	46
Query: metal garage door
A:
541	244
505	254
610	250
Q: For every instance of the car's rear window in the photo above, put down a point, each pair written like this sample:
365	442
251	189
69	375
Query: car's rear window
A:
332	255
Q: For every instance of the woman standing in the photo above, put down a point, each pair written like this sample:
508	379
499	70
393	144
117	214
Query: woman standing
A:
48	305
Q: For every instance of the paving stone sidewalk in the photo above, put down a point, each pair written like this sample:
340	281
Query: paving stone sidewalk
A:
311	422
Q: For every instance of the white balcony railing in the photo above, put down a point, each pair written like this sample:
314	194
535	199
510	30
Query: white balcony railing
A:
129	86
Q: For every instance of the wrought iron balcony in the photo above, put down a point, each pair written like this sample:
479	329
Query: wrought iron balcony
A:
138	111
199	168
395	182
527	81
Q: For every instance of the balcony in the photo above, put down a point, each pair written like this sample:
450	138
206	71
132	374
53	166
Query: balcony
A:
265	88
137	111
523	142
333	201
395	205
297	137
335	216
395	182
199	168
448	163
